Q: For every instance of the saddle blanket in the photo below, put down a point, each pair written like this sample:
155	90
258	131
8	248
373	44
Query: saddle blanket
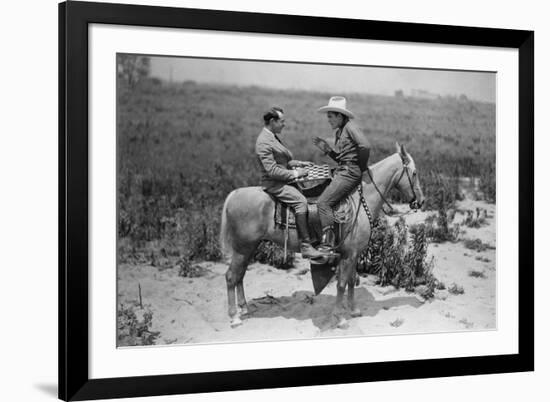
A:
343	213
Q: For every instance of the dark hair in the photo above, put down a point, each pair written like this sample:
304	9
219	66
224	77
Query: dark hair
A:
345	118
272	113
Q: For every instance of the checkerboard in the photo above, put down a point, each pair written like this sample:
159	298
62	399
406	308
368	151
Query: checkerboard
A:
315	172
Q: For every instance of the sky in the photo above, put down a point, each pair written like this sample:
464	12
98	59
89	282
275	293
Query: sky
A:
339	80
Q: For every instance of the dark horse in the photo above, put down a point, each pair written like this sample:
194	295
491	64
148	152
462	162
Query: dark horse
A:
247	218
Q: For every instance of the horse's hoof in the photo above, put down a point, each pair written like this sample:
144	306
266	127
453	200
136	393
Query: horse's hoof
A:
243	311
356	313
236	322
343	324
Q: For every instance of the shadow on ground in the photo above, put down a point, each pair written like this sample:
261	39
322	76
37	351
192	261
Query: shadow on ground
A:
303	305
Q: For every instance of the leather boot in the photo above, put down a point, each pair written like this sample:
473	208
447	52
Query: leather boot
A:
328	239
307	250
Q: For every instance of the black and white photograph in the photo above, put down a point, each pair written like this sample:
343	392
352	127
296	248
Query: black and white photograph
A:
268	200
275	201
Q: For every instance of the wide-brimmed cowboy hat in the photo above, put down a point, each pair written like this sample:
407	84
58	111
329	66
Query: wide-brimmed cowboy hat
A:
336	104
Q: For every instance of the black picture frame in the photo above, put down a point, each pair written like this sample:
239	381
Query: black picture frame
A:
74	381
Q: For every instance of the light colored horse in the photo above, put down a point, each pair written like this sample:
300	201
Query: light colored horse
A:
247	218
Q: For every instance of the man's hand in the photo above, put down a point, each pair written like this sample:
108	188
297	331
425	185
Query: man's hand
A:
299	164
322	145
300	172
326	148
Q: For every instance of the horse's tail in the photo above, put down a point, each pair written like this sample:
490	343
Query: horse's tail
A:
225	232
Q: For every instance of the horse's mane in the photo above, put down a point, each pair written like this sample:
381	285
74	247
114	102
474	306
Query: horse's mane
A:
385	160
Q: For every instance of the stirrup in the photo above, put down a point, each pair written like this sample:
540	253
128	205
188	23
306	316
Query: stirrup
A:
327	259
327	240
326	248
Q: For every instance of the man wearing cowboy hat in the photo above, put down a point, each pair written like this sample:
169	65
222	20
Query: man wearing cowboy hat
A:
352	154
277	165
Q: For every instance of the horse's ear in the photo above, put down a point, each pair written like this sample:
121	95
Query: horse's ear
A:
403	152
397	147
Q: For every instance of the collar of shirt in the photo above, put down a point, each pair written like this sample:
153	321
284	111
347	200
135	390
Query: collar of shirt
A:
273	134
338	133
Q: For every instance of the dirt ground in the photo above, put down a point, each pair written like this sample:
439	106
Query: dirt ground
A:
283	305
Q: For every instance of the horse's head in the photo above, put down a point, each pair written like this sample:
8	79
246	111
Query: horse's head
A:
408	183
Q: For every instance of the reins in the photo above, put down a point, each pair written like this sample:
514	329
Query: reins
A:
363	202
392	211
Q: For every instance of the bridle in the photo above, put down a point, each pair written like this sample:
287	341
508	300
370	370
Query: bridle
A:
413	203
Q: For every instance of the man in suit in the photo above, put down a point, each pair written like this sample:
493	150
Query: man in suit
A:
278	169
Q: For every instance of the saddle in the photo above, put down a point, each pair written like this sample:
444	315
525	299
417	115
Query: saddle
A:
312	188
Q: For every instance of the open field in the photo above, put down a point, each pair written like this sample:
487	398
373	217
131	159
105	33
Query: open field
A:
183	147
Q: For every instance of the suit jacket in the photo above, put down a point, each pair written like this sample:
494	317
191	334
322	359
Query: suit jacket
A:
274	160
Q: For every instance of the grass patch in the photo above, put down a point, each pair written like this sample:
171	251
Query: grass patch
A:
477	274
455	289
476	244
186	269
466	323
397	322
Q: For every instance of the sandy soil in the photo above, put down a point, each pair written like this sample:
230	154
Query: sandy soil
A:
283	306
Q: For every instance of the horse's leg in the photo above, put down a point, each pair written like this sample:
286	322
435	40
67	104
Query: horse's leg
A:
241	299
233	276
355	311
247	217
339	308
346	277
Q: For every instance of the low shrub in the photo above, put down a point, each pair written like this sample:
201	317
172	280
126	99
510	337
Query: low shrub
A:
134	326
274	255
475	220
455	289
398	256
477	274
475	244
487	183
441	191
188	270
440	227
397	322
